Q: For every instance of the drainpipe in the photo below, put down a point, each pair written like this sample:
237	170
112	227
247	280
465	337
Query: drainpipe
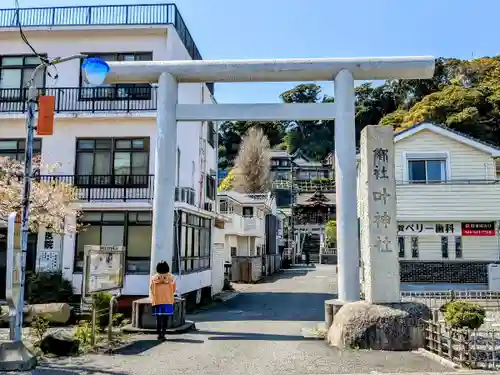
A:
216	166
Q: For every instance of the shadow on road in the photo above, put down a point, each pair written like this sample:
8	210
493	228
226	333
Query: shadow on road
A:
226	336
275	306
137	347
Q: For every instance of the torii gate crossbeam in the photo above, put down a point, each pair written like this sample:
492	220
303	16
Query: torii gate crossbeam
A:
343	71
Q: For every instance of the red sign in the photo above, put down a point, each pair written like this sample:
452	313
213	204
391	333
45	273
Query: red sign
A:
478	229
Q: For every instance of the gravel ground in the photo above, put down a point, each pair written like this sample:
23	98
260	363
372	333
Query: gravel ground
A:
258	332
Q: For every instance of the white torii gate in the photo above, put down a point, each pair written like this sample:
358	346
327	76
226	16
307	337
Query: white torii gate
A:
343	71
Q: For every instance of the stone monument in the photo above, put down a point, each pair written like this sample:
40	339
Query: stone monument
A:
377	197
381	321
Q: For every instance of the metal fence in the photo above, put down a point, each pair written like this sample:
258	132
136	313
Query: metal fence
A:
435	299
469	348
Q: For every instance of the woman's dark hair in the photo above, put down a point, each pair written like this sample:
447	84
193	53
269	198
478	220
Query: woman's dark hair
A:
162	267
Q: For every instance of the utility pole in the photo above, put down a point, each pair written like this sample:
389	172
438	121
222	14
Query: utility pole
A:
28	166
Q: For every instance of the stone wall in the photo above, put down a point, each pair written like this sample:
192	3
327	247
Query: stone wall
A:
444	272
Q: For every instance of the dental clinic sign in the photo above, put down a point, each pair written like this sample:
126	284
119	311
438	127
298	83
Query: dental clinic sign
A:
478	229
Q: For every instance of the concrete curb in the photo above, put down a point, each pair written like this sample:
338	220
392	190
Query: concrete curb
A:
435	357
186	327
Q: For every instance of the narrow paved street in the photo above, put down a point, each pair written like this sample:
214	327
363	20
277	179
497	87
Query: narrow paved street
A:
258	333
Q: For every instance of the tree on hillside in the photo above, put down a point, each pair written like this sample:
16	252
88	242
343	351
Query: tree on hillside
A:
231	133
50	202
469	101
314	138
252	166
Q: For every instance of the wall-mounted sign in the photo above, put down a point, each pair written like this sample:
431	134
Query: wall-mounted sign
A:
478	229
428	229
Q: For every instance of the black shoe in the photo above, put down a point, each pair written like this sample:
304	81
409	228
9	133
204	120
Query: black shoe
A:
163	338
160	337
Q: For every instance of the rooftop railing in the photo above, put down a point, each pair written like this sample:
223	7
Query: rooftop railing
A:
104	15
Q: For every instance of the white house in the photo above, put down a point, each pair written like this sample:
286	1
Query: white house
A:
104	138
245	234
253	231
448	204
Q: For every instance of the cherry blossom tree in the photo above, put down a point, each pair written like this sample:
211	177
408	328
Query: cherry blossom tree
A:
51	201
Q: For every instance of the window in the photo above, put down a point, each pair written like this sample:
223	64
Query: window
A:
458	247
15	73
248	211
210	133
193	243
14	148
210	187
233	251
275	162
444	247
112	161
414	247
120	91
130	229
401	244
282	175
426	171
284	163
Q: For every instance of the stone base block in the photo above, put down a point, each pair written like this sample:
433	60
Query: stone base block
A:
15	356
394	326
332	306
143	318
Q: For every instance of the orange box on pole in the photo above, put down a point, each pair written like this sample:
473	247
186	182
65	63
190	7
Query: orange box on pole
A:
46	109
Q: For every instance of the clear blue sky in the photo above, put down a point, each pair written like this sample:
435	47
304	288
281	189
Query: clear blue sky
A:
236	29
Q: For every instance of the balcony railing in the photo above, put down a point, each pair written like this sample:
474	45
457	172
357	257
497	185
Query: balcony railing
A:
105	15
106	187
86	99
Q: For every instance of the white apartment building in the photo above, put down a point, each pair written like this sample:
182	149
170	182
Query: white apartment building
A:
448	204
104	138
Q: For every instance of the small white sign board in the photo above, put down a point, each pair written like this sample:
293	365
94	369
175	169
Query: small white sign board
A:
13	275
104	268
494	277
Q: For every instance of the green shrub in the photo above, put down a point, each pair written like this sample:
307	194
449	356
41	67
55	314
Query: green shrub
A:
83	334
100	302
321	180
463	314
48	287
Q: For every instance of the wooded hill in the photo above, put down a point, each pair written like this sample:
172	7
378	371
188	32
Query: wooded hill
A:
464	95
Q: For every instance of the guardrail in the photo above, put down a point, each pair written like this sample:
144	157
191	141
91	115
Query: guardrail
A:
106	187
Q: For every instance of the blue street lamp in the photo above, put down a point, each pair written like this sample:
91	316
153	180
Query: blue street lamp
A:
96	70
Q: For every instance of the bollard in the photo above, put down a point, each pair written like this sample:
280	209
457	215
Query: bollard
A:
110	322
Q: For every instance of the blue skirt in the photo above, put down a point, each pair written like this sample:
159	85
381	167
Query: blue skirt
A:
163	309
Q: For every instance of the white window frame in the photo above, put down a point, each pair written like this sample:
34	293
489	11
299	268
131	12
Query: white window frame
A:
427	155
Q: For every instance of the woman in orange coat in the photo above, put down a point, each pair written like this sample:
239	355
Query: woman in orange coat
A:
162	290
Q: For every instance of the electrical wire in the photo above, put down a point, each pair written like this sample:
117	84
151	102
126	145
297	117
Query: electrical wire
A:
44	60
